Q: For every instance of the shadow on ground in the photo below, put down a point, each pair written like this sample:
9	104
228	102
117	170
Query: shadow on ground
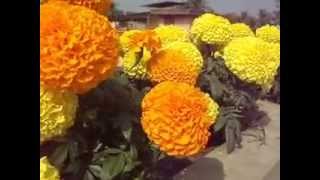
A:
202	169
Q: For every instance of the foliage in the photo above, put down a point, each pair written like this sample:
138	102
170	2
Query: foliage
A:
107	141
236	99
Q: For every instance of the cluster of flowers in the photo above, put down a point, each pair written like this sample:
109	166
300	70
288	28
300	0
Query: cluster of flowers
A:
175	114
79	49
252	57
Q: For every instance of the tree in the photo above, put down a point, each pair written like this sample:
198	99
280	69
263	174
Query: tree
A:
198	4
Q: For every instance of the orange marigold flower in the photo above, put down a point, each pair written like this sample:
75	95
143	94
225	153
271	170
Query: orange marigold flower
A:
78	47
101	6
148	39
178	62
176	117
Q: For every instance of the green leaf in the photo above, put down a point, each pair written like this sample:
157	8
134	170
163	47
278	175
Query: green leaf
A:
216	87
96	170
109	150
112	166
73	150
88	176
230	137
59	156
221	122
133	152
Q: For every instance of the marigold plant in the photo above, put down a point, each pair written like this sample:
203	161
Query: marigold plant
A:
269	33
47	171
78	47
172	33
178	62
57	113
211	29
253	60
177	116
101	6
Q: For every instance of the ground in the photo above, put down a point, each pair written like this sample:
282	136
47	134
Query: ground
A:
252	162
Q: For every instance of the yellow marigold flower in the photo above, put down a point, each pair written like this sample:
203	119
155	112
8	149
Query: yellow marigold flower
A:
47	171
178	62
253	60
101	6
125	39
142	45
269	33
172	33
78	47
57	113
134	67
241	30
177	118
211	29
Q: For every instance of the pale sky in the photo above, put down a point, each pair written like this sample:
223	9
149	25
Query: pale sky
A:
220	6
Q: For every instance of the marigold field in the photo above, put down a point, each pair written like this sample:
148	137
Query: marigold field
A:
174	94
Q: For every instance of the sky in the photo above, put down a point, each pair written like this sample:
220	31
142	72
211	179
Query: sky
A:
220	6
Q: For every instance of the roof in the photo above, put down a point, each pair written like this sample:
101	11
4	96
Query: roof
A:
164	4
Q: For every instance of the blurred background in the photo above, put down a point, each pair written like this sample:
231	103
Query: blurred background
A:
139	14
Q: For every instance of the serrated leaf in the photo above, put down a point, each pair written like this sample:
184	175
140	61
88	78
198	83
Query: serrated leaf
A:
216	87
126	129
237	130
73	150
96	170
221	122
88	176
133	152
112	166
59	156
109	150
230	137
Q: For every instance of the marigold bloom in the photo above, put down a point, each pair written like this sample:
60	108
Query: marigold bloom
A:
135	66
142	45
177	117
253	60
211	29
78	47
47	171
269	33
101	6
57	113
241	30
178	62
147	38
172	33
125	39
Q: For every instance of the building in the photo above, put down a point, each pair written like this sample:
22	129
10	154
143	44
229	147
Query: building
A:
164	12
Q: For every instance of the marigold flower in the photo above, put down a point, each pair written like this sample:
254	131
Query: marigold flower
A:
135	66
211	29
125	39
142	45
241	30
178	62
177	117
253	60
47	171
101	6
57	113
269	33
78	47
171	33
147	38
